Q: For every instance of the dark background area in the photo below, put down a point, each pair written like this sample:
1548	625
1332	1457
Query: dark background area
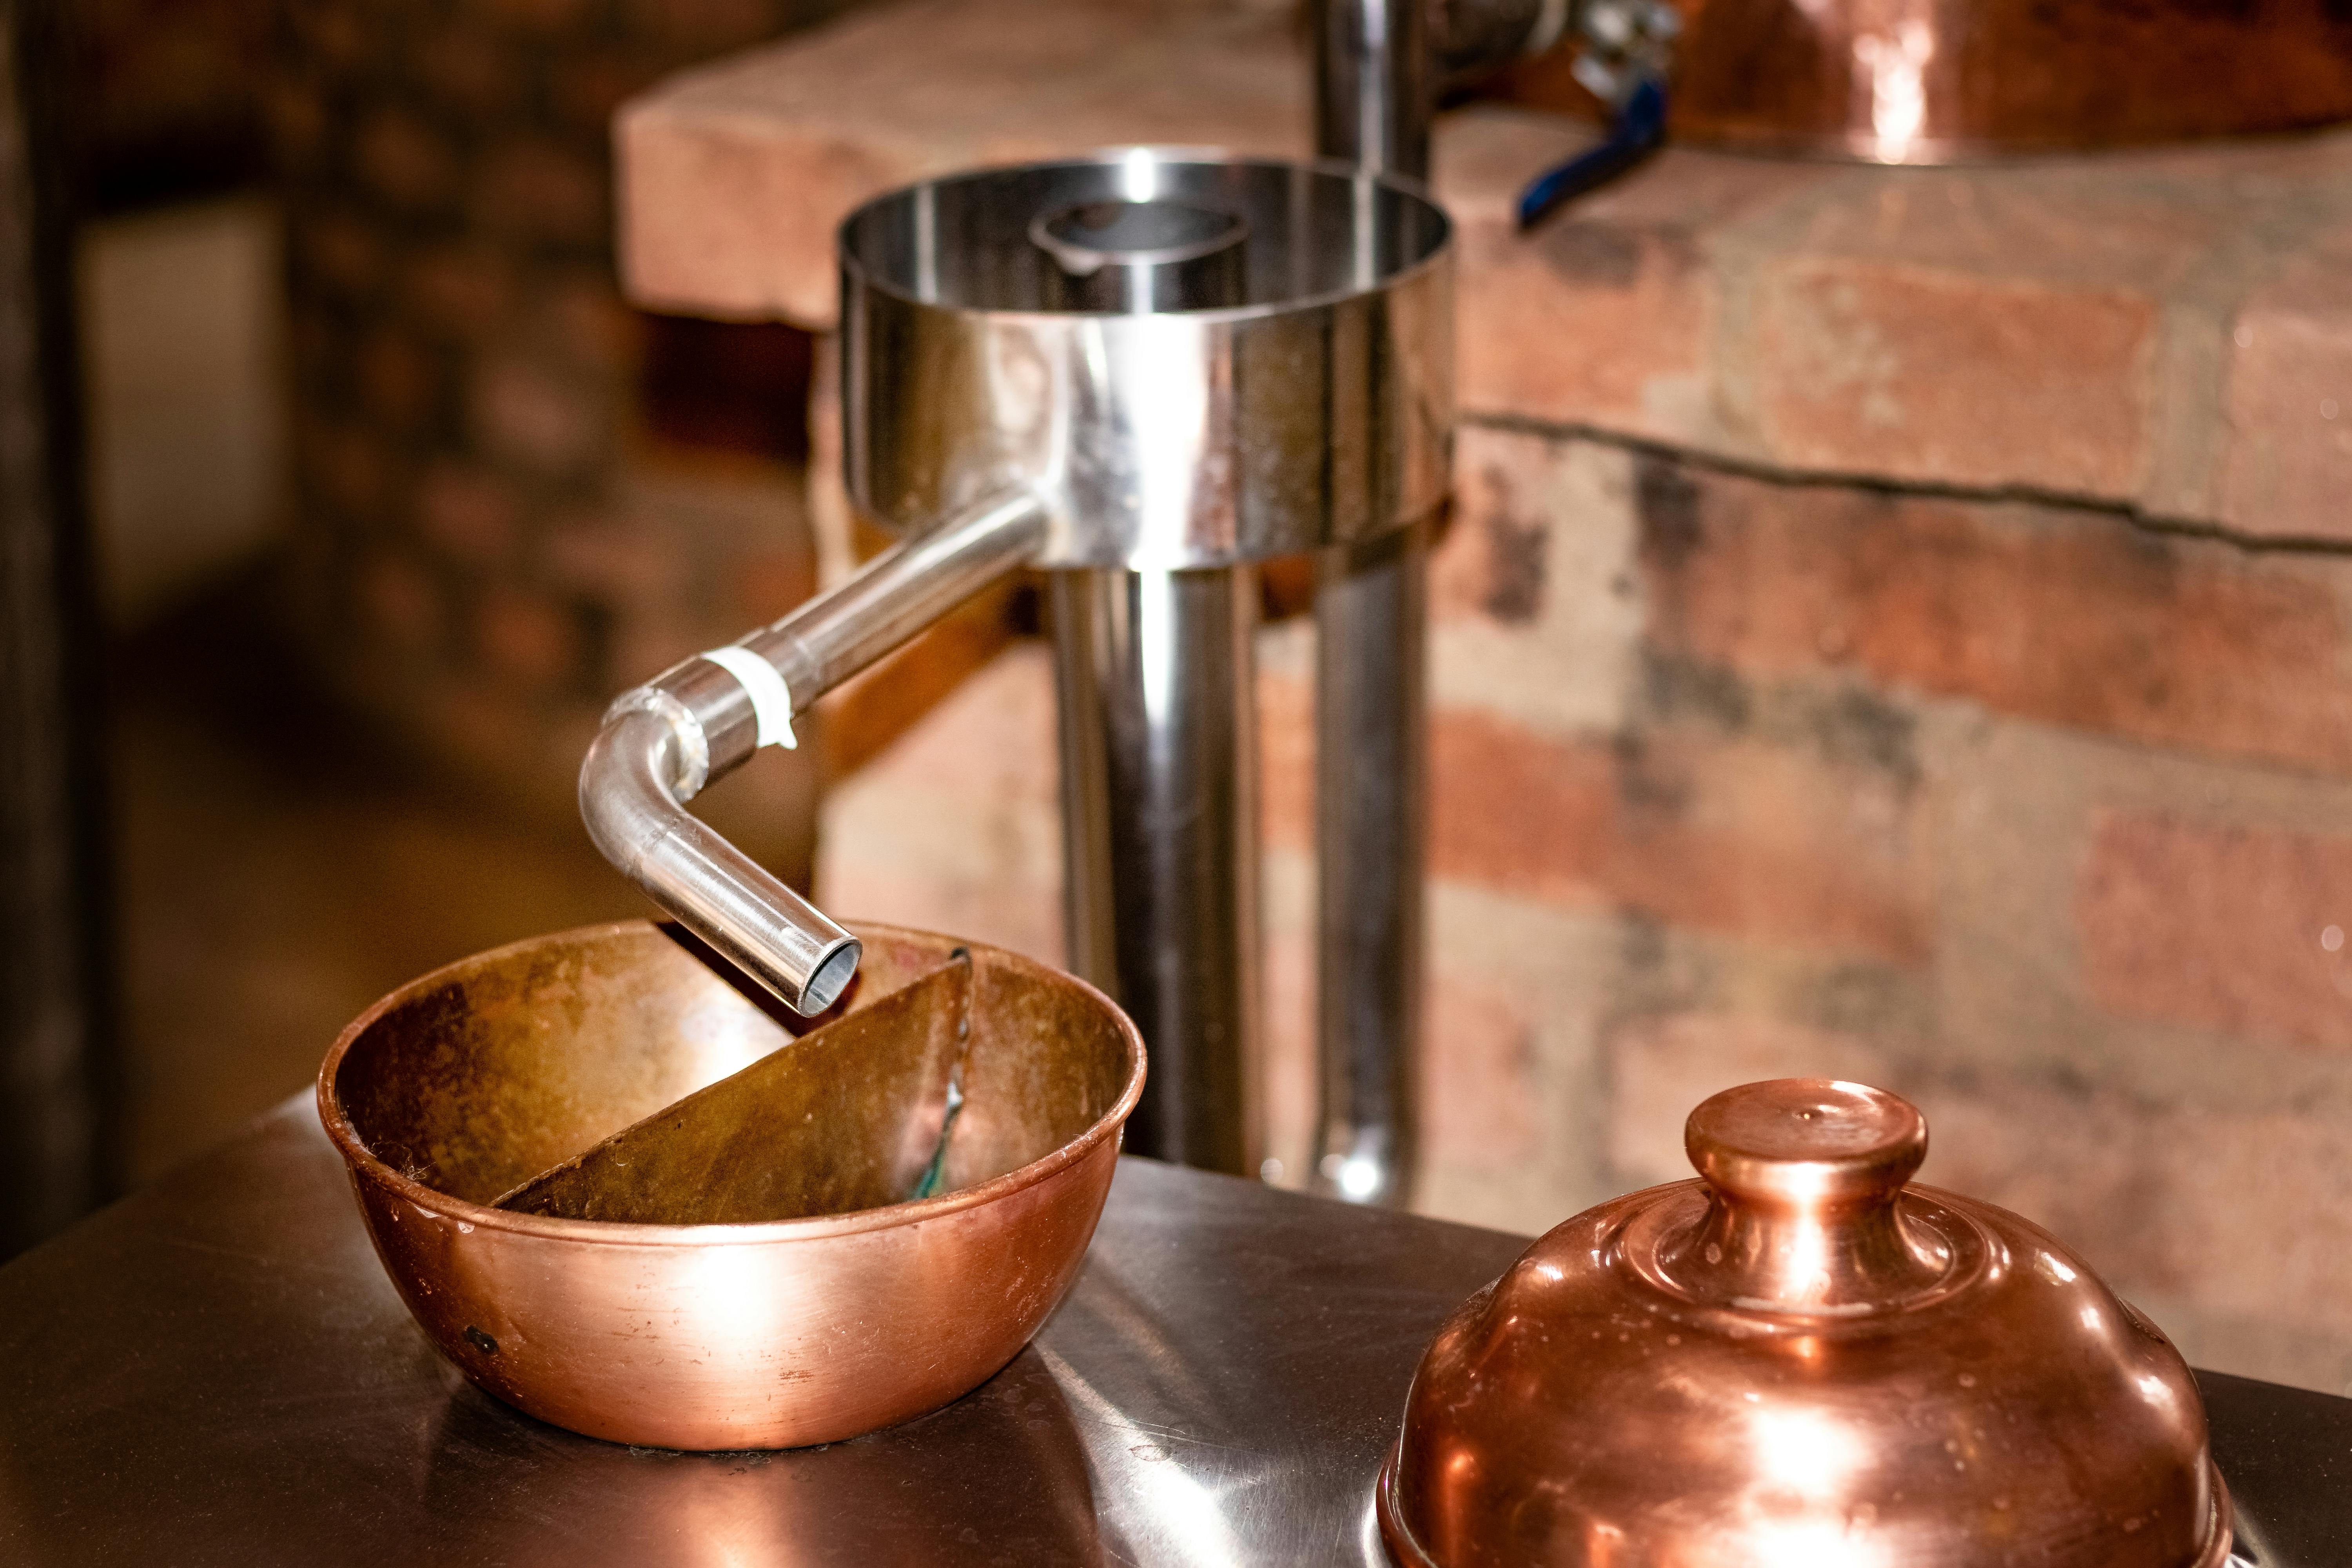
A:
358	490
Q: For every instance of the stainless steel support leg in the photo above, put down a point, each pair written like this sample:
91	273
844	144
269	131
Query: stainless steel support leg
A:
1372	107
1373	93
1371	614
1159	733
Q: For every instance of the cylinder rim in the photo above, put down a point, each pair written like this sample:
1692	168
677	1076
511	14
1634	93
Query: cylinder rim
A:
1439	256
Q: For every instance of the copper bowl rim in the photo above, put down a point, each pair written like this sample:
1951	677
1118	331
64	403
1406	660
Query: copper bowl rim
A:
1405	1548
622	1233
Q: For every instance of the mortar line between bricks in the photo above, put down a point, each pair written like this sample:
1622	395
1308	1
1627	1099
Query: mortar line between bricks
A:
1777	473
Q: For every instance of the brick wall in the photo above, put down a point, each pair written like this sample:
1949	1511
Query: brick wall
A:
2030	812
514	495
1961	708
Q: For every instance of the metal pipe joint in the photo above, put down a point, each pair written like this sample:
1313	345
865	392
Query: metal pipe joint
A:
663	742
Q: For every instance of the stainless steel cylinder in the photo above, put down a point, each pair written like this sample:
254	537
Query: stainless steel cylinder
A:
1196	364
1316	410
1159	729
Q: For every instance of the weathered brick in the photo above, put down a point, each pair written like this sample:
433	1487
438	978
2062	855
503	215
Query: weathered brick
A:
2070	617
401	604
330	35
866	714
540	189
459	291
1287	1076
525	638
2242	1213
1536	981
1731	837
1725	835
529	16
1610	313
752	240
338	248
956	827
471	71
588	86
732	212
1661	1066
399	382
1883	368
695	29
1480	1110
1534	600
2288	467
472	514
581	318
403	157
538	415
297	119
614	558
349	466
1583	320
2226	928
1286	754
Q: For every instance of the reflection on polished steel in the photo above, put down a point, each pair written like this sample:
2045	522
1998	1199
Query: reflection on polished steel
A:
1370	618
1375	84
1158	725
1373	95
1138	257
665	741
1319	409
1800	1362
1925	81
462	1085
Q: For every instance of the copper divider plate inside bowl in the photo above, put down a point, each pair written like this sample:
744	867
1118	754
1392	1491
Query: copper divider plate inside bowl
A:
853	1115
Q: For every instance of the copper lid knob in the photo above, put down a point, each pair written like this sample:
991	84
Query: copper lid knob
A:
1803	1360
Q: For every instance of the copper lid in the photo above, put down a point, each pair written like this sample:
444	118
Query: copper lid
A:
1800	1362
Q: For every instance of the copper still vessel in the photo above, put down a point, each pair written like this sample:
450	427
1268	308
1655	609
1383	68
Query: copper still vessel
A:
1802	1362
773	1333
1926	81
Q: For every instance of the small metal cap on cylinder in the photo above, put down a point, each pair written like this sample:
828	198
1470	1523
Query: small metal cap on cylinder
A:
1135	257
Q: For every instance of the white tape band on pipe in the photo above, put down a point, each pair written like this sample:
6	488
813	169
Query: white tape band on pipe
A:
771	700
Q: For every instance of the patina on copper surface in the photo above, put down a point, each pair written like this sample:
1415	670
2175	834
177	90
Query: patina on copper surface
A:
1802	1362
464	1084
850	1118
1924	81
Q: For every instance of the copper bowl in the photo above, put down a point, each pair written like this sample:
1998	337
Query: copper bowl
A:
461	1085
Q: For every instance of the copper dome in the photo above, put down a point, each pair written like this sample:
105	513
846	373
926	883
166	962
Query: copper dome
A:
1800	1362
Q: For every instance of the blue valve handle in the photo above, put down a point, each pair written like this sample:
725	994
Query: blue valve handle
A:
1638	131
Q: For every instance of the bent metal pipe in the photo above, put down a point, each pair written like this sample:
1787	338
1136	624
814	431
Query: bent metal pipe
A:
1153	370
665	741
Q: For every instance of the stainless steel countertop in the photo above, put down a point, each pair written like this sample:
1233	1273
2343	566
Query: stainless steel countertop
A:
215	1371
